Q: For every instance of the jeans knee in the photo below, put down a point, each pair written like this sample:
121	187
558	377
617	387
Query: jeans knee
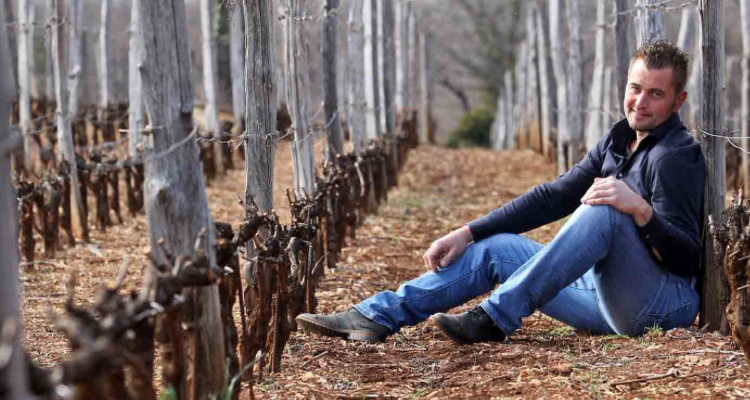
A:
507	246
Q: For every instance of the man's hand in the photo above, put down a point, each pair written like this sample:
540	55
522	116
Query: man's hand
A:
447	248
614	192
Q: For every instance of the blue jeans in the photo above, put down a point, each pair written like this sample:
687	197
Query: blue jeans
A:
597	274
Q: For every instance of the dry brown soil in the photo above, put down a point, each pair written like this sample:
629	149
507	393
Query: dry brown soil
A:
439	190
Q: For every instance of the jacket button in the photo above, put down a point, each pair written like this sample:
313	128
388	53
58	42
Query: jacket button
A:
619	174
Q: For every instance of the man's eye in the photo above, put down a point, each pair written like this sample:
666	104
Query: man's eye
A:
657	95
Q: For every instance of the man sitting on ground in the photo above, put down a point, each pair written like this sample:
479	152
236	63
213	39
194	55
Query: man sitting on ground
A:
627	259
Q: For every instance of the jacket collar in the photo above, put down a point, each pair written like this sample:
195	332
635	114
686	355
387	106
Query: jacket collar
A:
622	132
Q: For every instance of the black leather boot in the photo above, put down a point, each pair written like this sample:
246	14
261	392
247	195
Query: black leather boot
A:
474	326
350	325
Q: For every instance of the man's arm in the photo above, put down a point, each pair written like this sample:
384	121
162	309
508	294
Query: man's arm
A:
545	203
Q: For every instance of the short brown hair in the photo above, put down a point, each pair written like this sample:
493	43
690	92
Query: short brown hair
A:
665	54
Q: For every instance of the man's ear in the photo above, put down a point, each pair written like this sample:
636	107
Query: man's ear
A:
679	101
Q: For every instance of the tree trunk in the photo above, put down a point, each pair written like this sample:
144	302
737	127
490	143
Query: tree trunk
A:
34	82
609	111
176	202
237	60
136	116
745	106
210	79
330	83
715	286
24	81
372	75
594	131
49	81
13	380
302	156
413	44
64	133
427	86
649	22
497	132
509	120
685	42
544	86
402	54
576	147
355	75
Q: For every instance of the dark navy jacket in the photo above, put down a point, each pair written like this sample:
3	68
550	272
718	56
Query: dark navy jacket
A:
667	170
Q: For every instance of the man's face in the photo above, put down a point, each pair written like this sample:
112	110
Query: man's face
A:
650	97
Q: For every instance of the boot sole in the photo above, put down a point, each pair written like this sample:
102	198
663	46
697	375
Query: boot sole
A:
311	325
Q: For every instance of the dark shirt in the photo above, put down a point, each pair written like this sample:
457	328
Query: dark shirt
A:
667	170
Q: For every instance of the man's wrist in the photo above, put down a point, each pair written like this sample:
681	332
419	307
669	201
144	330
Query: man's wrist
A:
643	215
465	232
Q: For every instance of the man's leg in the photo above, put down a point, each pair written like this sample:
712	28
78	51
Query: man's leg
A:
632	289
483	265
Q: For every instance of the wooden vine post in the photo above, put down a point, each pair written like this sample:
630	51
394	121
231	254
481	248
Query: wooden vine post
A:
176	203
389	88
372	73
13	380
302	149
544	85
402	54
261	107
745	106
427	86
649	22
24	82
355	62
210	79
237	61
330	91
624	46
576	148
532	136
594	131
557	52
715	287
64	132
105	85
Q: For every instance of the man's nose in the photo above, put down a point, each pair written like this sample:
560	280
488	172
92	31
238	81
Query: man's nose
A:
642	100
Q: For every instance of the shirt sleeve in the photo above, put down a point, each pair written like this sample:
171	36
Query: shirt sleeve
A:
545	203
673	229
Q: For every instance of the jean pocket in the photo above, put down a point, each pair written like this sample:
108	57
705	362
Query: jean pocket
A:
678	317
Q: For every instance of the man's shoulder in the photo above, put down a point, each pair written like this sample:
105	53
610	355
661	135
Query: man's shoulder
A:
677	143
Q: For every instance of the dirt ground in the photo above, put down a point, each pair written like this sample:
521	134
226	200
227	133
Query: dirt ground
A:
439	190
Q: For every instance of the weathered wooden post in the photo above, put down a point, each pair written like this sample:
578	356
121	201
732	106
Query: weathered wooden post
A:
715	286
649	22
330	84
261	106
136	116
372	76
576	146
509	120
237	60
356	85
594	130
302	154
64	133
210	79
624	45
519	104
685	42
744	113
389	88
402	54
609	111
105	84
427	85
24	82
544	85
176	203
13	380
497	132
532	106
75	65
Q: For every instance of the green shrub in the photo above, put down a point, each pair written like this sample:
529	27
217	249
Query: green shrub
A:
473	129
